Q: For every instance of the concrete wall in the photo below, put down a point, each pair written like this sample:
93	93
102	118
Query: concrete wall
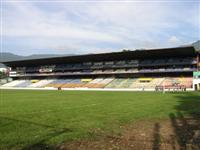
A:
196	81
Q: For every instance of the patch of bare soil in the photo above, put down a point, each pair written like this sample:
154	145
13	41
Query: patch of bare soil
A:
176	133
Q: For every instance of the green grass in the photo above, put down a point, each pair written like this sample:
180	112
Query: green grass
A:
29	117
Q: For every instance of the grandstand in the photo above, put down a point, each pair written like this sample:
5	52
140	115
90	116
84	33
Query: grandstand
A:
153	69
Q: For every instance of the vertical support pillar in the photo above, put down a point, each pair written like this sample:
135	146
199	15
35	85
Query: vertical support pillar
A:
198	63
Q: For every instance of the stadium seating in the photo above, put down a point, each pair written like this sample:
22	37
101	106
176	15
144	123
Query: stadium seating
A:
120	70
140	83
115	83
181	83
98	83
109	63
120	63
109	70
87	64
26	83
129	83
106	81
95	83
140	69
132	70
32	69
13	83
77	65
146	62
75	83
126	83
97	65
168	82
40	83
159	61
146	83
58	83
87	71
133	62
97	71
186	81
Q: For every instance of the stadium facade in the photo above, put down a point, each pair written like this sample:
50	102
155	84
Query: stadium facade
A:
153	69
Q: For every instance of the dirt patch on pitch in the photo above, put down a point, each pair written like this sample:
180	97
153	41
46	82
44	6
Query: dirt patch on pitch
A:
172	134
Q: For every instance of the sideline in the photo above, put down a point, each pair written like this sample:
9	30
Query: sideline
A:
86	89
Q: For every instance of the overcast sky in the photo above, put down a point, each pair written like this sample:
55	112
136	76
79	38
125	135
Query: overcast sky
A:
66	27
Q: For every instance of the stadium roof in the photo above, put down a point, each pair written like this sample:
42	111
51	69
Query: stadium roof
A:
185	51
196	46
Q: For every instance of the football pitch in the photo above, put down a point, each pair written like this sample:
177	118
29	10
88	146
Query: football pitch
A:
33	117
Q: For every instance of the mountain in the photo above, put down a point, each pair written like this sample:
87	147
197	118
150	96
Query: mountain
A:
11	57
2	65
196	45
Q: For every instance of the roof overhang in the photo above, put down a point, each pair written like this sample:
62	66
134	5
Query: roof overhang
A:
196	46
187	51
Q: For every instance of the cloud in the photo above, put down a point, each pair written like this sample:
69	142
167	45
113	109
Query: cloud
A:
87	27
173	40
31	22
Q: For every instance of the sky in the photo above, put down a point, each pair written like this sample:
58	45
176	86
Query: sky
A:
80	27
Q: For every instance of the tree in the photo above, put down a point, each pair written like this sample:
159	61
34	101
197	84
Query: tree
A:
3	74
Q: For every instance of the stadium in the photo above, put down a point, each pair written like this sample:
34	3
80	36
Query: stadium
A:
139	70
103	101
99	75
